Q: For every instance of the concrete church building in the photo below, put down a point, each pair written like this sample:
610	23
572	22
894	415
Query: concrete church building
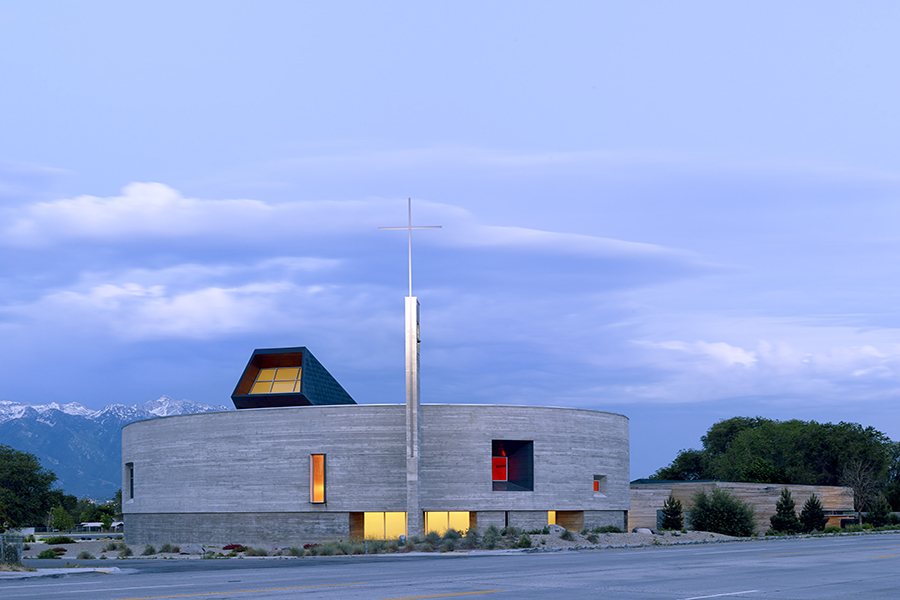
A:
301	462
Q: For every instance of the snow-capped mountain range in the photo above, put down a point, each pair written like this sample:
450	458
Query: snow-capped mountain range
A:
82	446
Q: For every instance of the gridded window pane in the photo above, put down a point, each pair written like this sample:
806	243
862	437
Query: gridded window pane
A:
281	380
280	387
261	387
266	375
287	374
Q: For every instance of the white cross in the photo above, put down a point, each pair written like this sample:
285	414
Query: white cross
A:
410	227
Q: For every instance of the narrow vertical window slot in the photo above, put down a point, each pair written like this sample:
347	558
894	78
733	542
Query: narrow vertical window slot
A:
317	478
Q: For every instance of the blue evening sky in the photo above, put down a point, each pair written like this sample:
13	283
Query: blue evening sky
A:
679	211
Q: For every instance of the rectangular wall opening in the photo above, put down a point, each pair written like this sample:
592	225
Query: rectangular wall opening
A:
383	525
441	521
317	478
129	468
513	459
573	520
600	485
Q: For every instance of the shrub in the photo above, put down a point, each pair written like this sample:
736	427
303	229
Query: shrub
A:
544	531
60	539
785	518
452	534
567	535
491	538
113	546
673	514
721	512
234	547
880	513
832	529
125	552
607	529
85	555
257	552
168	548
812	517
448	545
48	553
433	539
592	538
524	541
148	551
470	540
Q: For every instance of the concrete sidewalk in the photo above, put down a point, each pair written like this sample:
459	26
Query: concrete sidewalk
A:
50	572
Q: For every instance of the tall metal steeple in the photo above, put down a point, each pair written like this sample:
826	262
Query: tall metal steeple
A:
414	525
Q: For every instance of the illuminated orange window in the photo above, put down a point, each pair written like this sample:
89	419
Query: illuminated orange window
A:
317	478
279	380
499	468
596	486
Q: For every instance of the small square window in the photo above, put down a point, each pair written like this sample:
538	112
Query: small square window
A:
512	465
600	485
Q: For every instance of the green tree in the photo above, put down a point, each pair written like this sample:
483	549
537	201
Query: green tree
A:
689	465
61	518
812	517
721	512
24	488
755	449
673	514
879	514
785	518
107	520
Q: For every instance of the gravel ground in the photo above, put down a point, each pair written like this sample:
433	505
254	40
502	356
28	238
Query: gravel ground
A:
551	541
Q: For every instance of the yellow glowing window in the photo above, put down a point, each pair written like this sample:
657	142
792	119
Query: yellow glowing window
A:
384	525
441	521
282	380
317	478
551	517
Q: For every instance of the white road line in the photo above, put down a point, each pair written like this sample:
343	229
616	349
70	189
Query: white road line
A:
720	595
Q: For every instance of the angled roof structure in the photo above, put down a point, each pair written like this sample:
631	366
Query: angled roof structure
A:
286	377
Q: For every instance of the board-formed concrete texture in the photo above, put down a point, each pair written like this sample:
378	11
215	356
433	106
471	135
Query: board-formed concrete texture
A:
244	476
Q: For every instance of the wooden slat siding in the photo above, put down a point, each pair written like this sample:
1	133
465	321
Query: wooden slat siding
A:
762	496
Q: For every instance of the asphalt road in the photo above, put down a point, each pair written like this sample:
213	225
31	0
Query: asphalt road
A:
842	567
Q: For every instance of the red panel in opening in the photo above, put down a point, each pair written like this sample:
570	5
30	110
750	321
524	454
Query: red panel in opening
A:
596	486
499	468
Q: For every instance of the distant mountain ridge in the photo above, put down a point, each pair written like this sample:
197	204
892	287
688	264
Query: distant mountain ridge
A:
83	446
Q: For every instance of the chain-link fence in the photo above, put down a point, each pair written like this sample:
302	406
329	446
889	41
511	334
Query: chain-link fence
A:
11	549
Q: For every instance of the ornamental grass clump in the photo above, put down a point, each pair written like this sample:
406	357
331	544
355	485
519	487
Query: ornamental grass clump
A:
169	549
491	538
148	550
85	555
470	540
567	536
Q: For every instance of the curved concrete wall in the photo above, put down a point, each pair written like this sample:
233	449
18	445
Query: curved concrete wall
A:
243	465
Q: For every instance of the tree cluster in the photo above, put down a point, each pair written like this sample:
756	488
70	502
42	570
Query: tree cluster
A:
721	512
759	450
27	498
